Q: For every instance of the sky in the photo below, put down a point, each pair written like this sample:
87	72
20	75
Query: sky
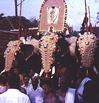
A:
31	8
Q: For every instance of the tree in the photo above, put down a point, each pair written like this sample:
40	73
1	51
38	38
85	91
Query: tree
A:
34	21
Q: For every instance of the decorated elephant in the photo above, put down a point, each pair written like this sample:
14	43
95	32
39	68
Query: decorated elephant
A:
54	49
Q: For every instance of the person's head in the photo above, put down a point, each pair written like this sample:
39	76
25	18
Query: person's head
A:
31	73
26	79
35	82
27	49
46	85
13	80
61	70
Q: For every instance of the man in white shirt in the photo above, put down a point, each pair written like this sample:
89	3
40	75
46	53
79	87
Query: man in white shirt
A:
70	95
13	95
35	92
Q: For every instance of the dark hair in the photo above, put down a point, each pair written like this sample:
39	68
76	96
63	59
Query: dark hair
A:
13	80
3	78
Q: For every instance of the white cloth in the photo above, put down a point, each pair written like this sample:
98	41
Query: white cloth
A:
81	87
27	88
36	96
35	75
70	95
3	89
14	96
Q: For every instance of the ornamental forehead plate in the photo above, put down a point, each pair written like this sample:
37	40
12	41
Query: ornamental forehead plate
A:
53	15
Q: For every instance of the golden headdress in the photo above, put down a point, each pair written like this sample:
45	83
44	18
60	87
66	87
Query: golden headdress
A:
47	47
86	45
9	54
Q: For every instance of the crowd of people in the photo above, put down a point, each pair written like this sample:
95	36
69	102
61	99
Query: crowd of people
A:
71	82
17	87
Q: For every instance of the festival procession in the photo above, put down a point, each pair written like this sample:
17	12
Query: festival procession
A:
45	60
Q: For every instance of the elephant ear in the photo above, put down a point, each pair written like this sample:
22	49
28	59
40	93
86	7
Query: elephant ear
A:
86	46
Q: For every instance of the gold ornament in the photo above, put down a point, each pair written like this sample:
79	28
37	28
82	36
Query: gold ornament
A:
9	54
47	47
86	45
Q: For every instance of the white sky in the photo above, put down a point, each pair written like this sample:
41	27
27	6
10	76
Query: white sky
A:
31	8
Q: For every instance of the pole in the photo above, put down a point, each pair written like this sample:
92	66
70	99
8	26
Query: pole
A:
16	11
20	28
16	16
85	7
89	14
90	25
86	18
